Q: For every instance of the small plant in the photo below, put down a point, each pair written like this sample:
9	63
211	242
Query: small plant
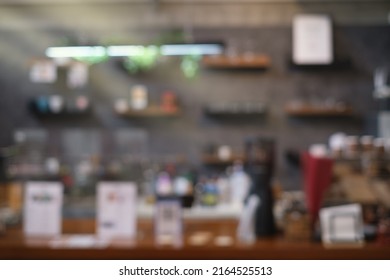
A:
190	65
144	61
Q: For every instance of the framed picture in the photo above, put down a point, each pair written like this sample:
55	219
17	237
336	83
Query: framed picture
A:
344	227
342	224
312	40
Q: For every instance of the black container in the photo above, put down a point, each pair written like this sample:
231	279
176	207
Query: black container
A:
260	155
3	173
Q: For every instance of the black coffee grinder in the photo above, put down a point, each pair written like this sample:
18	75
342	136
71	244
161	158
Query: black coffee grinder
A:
260	161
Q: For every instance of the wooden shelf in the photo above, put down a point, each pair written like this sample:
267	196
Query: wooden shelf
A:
66	110
313	111
337	64
238	62
235	110
62	115
215	160
153	111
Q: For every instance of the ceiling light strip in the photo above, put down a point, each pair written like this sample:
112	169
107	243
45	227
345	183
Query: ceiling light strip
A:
133	50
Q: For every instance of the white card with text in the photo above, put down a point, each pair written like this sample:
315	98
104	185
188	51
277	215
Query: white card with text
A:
117	210
312	39
168	222
342	224
43	209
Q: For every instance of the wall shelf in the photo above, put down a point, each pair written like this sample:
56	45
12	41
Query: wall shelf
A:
232	110
316	111
215	160
240	62
67	110
152	111
336	65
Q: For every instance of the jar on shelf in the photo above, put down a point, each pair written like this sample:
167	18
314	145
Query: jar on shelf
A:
139	97
379	147
352	149
169	101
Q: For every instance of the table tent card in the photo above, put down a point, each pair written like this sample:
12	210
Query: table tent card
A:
312	40
43	209
168	223
342	224
117	210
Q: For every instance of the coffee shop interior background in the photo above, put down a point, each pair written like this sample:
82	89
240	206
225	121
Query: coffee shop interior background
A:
361	44
194	115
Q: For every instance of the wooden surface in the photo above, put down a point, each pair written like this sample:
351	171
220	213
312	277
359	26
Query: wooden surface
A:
237	62
310	111
215	160
152	111
15	246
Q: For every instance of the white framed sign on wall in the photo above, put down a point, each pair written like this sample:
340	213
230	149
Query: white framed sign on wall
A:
312	40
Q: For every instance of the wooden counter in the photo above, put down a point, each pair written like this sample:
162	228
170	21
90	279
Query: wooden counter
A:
14	246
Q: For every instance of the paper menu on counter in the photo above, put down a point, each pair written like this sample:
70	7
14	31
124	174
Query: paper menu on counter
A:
342	224
117	210
43	209
168	223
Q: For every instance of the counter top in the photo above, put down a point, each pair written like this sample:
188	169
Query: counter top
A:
221	211
15	246
85	208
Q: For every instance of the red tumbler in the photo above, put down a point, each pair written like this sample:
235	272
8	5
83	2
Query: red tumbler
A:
317	178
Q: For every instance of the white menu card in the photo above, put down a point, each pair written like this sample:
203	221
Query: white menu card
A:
342	224
168	222
117	210
312	39
43	209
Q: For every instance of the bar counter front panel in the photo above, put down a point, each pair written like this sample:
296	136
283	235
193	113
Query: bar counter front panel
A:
15	246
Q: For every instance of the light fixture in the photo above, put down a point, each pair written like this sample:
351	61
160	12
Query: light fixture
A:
125	50
82	51
134	50
191	49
